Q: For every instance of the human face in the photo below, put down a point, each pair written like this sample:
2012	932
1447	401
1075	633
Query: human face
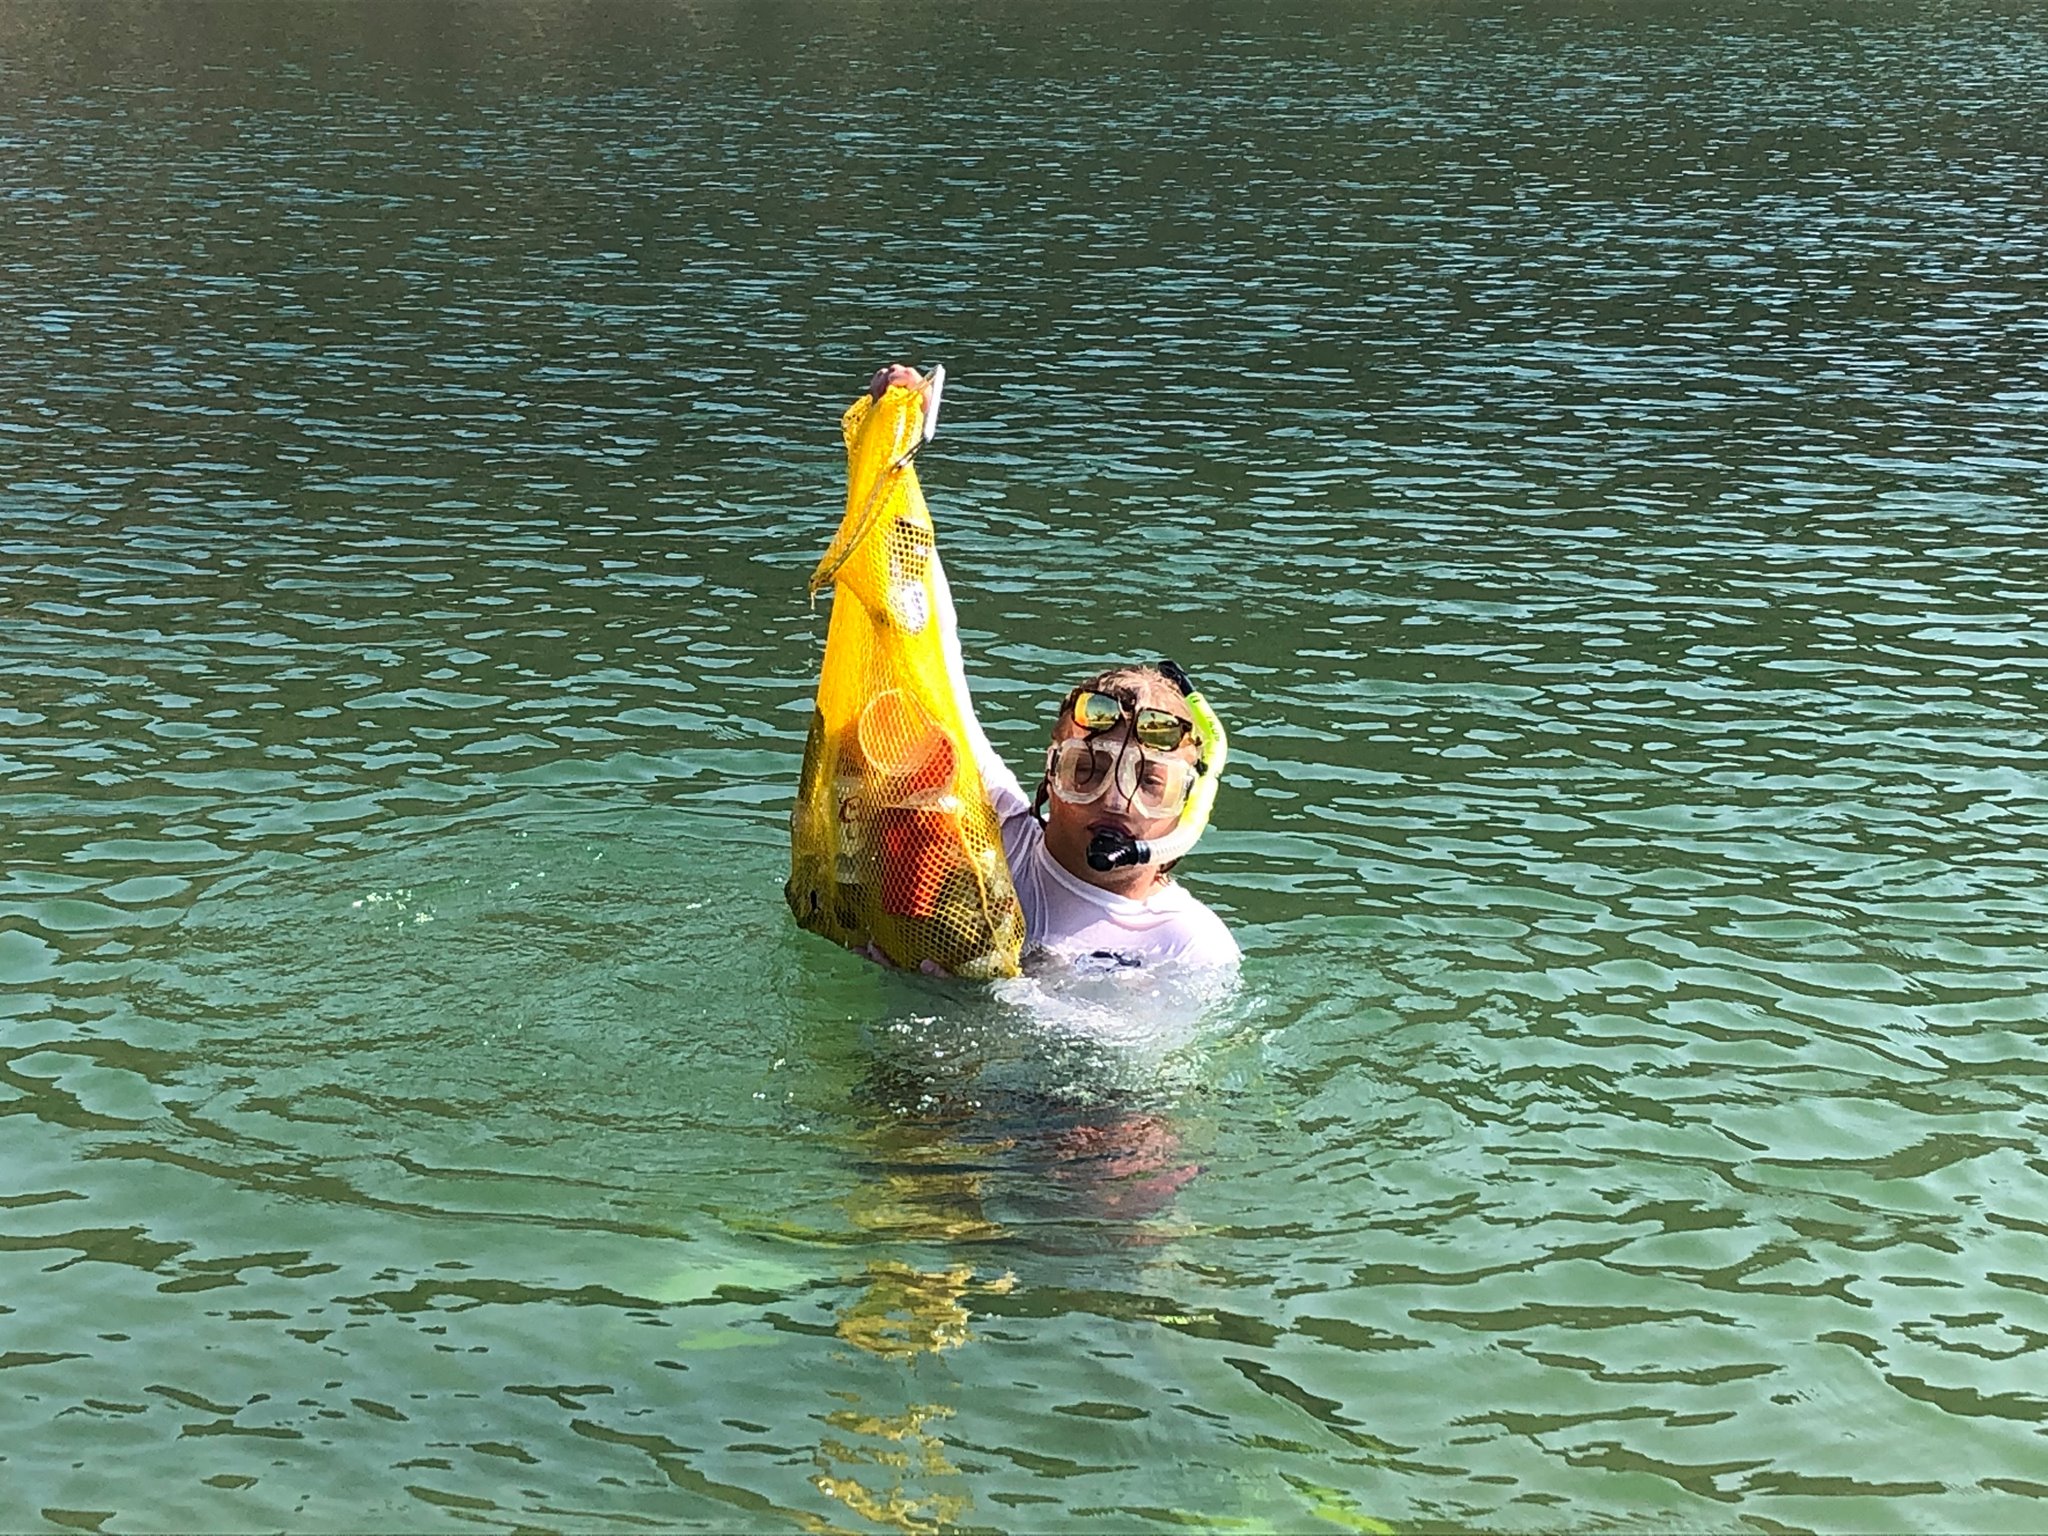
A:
1124	806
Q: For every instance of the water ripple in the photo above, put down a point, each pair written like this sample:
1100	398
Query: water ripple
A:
1592	460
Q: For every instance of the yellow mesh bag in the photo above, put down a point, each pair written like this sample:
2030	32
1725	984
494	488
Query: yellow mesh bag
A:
893	844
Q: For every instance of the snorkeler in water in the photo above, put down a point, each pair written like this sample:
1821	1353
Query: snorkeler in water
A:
1121	764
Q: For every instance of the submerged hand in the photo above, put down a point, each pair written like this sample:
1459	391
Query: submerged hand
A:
928	967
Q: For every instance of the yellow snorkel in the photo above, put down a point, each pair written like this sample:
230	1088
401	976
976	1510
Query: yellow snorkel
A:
1110	849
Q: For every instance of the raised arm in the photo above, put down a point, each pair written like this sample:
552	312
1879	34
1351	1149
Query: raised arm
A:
1004	791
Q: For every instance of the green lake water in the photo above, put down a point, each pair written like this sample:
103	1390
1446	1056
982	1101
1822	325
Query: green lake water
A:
1594	456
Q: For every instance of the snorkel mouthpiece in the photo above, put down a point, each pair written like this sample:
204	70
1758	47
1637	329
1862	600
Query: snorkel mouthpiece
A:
1111	849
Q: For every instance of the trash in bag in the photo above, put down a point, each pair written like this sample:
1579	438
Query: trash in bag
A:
894	848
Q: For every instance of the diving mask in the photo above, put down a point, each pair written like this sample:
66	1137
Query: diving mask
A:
1082	771
1111	849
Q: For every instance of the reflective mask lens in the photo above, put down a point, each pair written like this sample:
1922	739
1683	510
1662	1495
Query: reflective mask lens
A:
1083	771
1160	729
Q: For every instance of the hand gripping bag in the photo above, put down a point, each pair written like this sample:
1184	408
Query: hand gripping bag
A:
894	847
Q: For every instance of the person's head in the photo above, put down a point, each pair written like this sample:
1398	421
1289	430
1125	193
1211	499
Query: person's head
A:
1123	758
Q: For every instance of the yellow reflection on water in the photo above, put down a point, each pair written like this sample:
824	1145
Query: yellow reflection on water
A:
907	1450
906	1312
869	1466
924	1204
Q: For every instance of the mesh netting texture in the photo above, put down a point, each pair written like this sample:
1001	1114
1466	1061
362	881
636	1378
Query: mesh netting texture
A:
893	845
